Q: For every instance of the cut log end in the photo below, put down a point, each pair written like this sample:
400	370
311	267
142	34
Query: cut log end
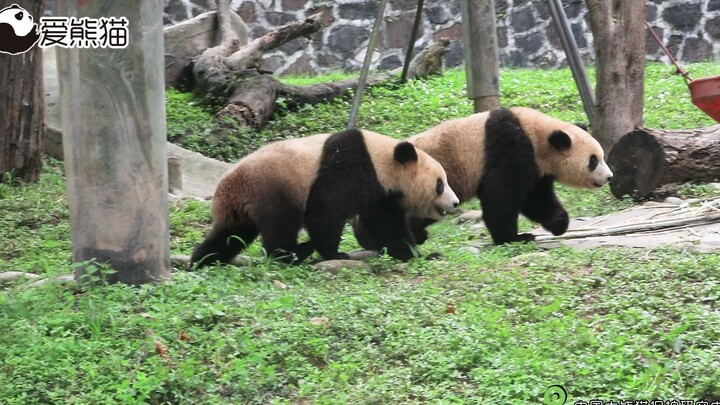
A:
646	159
241	114
637	161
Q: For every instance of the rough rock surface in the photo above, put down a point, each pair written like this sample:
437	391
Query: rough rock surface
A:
526	35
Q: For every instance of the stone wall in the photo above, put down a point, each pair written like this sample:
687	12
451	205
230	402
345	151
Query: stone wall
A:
526	34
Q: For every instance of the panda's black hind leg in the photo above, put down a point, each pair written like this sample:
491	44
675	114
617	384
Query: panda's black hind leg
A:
223	243
279	236
325	234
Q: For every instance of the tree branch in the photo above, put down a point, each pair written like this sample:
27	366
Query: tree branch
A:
227	34
250	56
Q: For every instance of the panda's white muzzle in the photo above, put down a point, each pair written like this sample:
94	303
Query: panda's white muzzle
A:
446	202
601	175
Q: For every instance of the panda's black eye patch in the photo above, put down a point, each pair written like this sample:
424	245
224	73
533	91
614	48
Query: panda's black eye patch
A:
19	16
439	187
593	163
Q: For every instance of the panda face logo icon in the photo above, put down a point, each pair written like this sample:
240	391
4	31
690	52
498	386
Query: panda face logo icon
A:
18	31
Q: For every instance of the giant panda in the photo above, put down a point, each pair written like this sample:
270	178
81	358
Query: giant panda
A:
18	32
318	182
509	159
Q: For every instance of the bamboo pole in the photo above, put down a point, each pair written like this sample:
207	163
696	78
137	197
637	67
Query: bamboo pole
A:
411	45
366	64
573	56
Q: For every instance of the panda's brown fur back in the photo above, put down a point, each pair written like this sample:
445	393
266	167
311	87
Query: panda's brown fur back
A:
462	155
248	189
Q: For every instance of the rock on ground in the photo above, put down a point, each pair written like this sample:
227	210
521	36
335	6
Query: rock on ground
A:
334	266
11	277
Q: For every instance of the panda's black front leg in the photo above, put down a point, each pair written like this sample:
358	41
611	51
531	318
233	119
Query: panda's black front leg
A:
376	230
542	206
384	226
399	241
302	251
325	233
417	228
501	207
366	233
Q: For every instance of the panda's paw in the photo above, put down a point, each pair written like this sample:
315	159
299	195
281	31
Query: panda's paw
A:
341	256
421	236
558	225
525	237
434	256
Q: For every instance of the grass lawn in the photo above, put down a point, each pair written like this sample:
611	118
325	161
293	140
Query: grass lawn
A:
495	327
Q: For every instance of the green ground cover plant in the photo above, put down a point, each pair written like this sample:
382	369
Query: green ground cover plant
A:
496	325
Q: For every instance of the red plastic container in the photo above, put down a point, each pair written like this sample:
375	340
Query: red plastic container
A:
705	95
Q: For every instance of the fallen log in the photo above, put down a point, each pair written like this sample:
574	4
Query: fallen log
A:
323	92
230	72
253	100
250	56
218	67
646	159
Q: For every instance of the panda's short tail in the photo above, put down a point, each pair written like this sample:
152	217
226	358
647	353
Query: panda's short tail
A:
223	243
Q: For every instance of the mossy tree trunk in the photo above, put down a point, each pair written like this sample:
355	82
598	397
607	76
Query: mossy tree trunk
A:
22	108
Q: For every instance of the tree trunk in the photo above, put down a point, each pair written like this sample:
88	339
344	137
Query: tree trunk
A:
22	108
482	64
645	159
114	141
619	41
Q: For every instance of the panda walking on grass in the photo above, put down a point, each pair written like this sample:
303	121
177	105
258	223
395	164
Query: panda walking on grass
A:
318	182
509	159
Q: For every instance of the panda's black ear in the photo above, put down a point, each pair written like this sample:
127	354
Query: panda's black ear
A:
582	126
405	152
560	140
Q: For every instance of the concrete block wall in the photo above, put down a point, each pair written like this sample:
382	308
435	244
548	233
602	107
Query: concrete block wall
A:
526	34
